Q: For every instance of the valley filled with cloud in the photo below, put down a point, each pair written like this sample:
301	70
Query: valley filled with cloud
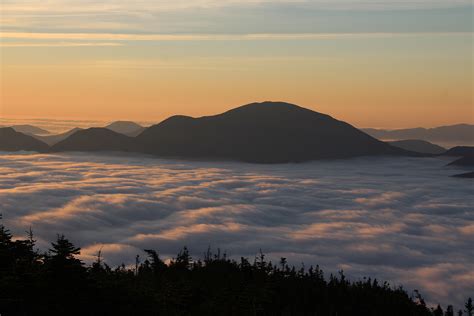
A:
404	220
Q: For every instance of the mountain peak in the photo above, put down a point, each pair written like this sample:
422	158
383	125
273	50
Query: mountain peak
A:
265	132
128	128
94	139
30	130
267	106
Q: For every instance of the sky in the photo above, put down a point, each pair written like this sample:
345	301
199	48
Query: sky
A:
373	63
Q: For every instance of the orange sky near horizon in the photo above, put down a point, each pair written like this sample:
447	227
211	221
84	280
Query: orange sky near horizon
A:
393	79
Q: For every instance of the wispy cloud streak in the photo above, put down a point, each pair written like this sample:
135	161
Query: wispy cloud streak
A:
208	37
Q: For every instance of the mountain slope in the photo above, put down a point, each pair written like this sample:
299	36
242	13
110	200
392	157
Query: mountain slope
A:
466	161
128	128
418	146
54	139
467	175
454	133
269	132
460	151
94	139
11	140
29	129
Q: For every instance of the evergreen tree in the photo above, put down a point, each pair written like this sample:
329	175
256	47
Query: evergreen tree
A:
469	308
156	263
438	311
6	249
449	311
61	260
59	284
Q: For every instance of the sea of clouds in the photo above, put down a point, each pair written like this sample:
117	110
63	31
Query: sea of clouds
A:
404	220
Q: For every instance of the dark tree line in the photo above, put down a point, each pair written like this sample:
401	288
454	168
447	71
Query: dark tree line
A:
57	283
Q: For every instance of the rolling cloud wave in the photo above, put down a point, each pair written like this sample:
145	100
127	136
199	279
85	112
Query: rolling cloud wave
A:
398	219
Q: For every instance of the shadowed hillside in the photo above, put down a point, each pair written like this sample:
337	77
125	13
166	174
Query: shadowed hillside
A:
11	140
94	139
454	133
419	146
467	161
269	132
30	130
460	151
54	139
128	128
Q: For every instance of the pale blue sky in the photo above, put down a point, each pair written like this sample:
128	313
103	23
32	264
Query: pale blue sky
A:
229	17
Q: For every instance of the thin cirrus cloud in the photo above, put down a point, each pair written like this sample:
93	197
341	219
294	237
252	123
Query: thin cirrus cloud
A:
402	220
58	44
236	17
32	39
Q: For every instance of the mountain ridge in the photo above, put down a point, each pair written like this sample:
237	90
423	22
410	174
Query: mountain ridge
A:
459	133
11	140
103	140
419	146
127	128
266	132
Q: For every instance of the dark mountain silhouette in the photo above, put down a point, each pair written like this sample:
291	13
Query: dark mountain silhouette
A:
419	146
454	133
29	130
11	140
468	175
460	151
94	139
467	158
269	132
54	139
126	128
464	161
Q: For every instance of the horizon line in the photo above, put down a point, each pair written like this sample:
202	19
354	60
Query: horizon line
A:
209	36
157	121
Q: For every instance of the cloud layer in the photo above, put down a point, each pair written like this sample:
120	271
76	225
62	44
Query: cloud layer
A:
403	220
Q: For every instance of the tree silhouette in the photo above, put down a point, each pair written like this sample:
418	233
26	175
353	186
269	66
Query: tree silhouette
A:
438	311
469	308
58	283
449	311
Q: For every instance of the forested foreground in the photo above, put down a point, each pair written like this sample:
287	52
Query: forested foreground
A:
57	283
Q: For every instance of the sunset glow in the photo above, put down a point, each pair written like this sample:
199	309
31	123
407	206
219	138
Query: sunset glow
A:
237	157
70	59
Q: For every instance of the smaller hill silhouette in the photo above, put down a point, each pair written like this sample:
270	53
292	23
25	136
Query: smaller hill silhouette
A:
419	146
54	139
468	175
464	161
29	130
460	151
11	140
467	159
462	133
128	128
94	139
